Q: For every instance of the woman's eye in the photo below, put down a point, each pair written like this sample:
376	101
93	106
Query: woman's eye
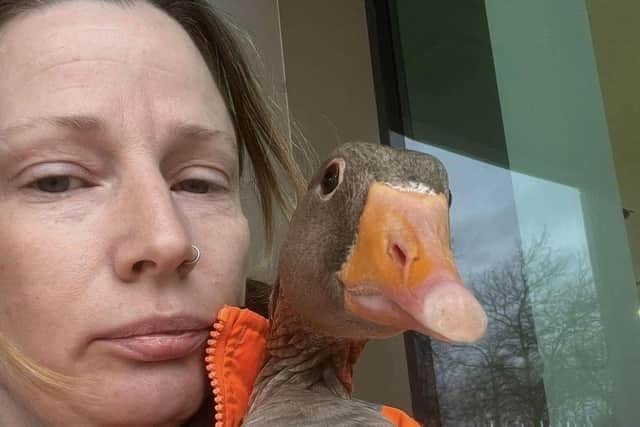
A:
197	186
57	184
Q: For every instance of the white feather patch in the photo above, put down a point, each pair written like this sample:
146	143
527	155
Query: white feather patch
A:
413	187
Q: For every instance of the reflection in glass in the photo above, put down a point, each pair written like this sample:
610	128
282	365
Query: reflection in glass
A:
537	223
535	281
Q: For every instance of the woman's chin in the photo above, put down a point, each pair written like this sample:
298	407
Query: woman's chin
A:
156	393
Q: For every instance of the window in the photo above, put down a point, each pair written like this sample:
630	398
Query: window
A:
507	95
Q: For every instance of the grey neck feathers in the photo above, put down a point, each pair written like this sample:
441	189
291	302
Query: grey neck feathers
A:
299	358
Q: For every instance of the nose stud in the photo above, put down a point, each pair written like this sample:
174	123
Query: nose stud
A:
196	256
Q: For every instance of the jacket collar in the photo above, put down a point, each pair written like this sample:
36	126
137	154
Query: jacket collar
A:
234	357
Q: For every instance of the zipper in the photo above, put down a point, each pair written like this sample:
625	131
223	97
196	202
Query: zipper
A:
210	361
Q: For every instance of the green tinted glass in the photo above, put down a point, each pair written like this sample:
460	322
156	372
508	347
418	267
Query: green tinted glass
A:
507	95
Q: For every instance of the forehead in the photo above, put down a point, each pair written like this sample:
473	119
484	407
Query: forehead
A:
82	52
70	27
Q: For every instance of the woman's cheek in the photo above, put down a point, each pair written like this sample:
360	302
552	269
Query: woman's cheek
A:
224	244
39	283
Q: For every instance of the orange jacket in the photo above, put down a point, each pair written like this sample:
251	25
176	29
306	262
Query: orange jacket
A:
234	356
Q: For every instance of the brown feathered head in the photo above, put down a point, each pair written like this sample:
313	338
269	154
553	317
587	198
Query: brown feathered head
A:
368	250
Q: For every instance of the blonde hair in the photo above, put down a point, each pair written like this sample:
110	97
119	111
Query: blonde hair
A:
14	362
267	147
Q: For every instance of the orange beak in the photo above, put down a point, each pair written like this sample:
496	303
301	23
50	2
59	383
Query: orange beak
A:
401	273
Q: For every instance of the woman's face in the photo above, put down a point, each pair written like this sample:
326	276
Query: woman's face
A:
116	154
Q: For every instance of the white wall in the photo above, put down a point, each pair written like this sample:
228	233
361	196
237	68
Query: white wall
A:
616	39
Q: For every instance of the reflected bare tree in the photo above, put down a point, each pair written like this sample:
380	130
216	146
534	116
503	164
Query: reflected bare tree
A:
544	357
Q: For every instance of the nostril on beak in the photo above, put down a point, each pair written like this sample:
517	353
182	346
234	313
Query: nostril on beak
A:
398	255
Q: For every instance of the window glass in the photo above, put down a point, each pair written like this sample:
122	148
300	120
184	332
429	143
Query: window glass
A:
508	96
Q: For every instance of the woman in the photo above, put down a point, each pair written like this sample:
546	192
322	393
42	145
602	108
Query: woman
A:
122	131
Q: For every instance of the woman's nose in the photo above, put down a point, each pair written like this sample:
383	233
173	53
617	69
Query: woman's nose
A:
155	237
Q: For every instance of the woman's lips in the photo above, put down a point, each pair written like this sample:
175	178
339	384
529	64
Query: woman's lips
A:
157	339
159	347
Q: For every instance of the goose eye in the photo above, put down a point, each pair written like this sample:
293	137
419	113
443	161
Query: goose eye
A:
331	178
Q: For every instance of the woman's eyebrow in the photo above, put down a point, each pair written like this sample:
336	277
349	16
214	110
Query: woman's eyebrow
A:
76	123
181	131
190	131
